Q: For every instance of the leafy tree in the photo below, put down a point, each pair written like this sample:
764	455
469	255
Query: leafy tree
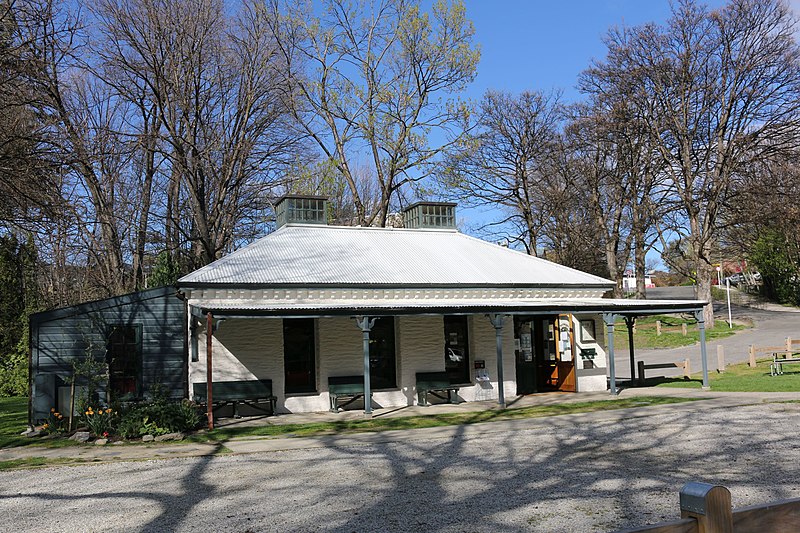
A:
18	299
723	88
166	271
778	260
370	80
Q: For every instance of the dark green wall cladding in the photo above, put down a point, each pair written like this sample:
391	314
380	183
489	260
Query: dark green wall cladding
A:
62	336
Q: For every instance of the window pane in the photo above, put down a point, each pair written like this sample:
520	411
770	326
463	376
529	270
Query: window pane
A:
381	354
124	365
456	349
299	355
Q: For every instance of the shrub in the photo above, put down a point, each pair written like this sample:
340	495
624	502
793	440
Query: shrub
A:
158	418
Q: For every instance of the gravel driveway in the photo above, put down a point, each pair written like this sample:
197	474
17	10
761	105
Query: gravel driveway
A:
583	473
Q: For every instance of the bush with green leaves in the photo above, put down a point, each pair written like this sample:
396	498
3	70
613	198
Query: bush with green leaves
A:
158	418
778	259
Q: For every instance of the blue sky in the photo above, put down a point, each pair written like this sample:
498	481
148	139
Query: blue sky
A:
544	45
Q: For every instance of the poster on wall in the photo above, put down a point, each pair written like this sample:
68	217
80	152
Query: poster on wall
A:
564	339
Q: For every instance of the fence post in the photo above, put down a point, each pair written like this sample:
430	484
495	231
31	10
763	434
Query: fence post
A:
720	358
752	356
709	504
658	328
640	364
687	370
683	329
788	345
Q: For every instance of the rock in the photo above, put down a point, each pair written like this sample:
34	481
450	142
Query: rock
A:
170	436
117	443
81	436
101	442
31	433
148	438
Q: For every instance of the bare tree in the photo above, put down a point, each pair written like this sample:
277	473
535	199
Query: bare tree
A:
506	163
724	88
213	82
370	80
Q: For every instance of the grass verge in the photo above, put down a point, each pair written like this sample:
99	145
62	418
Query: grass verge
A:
740	378
14	420
426	421
646	335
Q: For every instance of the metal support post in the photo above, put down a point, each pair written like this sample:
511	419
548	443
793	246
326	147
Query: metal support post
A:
498	321
209	369
701	324
609	319
366	324
630	321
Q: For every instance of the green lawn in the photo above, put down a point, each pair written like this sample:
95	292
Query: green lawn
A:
671	335
413	422
14	420
741	378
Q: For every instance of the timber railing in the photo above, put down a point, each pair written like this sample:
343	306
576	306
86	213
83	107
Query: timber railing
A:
791	345
707	508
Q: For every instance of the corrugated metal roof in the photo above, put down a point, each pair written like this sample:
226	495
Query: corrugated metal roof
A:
333	255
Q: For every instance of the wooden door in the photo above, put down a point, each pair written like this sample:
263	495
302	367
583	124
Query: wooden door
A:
566	354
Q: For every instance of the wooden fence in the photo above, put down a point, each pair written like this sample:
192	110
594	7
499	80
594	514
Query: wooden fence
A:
789	346
707	509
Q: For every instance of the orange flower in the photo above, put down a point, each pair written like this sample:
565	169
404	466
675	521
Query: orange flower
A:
52	409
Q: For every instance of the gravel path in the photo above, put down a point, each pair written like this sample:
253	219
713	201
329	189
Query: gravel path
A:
557	474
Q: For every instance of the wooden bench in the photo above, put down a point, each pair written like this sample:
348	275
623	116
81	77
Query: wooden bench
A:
782	358
435	383
249	392
351	387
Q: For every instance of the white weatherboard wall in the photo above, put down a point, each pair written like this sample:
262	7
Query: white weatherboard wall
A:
596	382
253	349
242	349
483	346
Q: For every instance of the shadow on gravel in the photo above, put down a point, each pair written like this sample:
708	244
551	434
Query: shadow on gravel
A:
175	506
607	475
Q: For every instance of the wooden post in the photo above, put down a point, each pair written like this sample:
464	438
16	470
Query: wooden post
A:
752	361
683	329
687	369
720	358
641	372
658	328
710	505
71	402
788	346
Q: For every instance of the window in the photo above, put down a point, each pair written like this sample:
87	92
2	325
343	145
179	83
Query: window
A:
299	355
381	354
587	331
456	349
123	355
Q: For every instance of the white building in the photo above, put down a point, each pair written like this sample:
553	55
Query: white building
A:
311	302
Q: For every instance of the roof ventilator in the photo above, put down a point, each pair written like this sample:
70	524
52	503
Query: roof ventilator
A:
301	209
430	215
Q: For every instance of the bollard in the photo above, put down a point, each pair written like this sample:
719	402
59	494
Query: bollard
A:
683	329
687	370
720	358
658	328
752	360
709	504
640	364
